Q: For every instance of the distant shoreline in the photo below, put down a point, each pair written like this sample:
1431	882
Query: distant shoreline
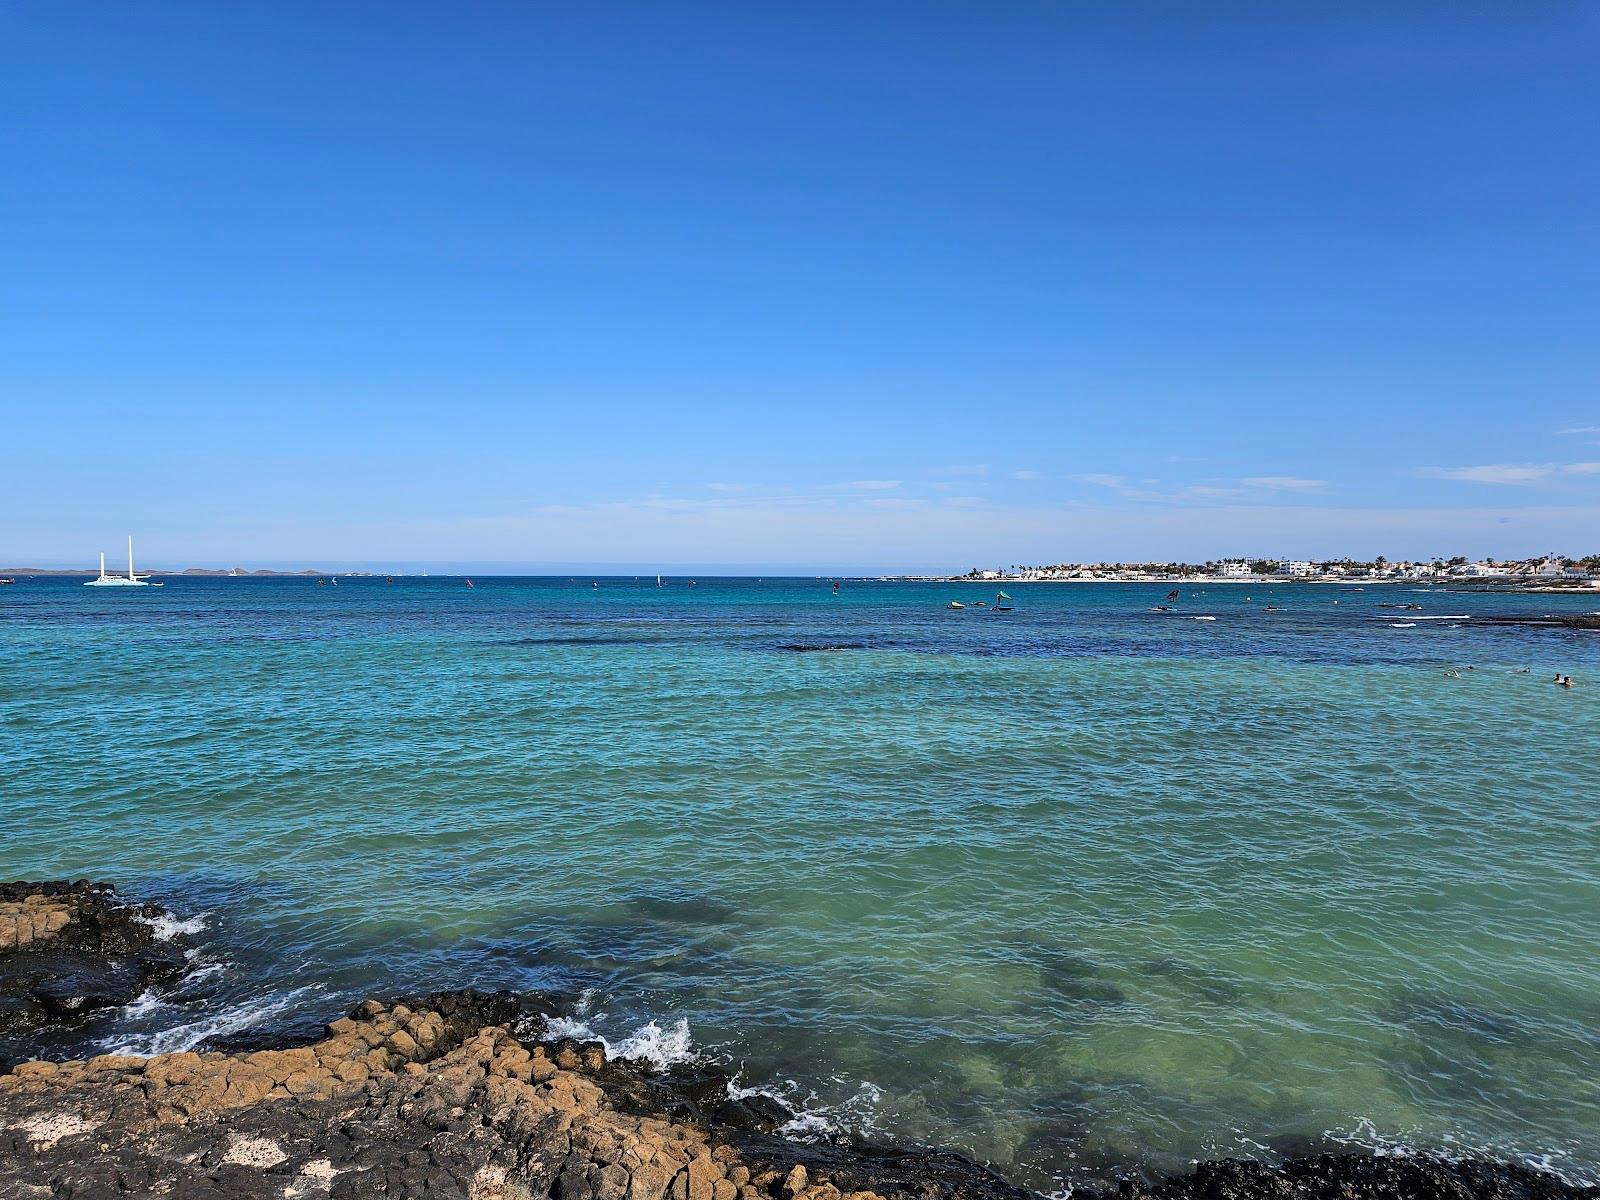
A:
1190	581
1503	585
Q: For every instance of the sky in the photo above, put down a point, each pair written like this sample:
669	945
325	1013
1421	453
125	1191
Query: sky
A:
821	286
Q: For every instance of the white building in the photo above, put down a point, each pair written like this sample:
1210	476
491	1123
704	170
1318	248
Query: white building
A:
1233	568
1296	569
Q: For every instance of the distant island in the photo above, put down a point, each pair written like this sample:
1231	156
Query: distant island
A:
233	572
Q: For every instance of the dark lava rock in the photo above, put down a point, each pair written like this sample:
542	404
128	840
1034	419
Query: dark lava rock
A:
1363	1177
68	950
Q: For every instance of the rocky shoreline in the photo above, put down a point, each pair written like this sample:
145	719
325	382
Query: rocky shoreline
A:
70	950
457	1094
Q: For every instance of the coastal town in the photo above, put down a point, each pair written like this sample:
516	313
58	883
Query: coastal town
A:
1548	571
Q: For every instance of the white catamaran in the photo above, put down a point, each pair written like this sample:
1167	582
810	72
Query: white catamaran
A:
128	580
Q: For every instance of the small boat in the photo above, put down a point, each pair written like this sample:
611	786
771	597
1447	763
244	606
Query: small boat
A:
998	606
129	580
6	580
980	604
1162	608
955	604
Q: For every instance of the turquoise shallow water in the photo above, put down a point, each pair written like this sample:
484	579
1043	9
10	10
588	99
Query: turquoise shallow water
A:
1073	888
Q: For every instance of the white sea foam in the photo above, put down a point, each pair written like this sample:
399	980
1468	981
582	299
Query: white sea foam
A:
166	926
191	1034
147	1002
1404	625
663	1047
1188	618
855	1112
557	1028
813	1119
203	971
650	1043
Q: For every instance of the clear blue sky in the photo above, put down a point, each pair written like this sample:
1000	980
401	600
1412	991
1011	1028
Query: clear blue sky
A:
844	286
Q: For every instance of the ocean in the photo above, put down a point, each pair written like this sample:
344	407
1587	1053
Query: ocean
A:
1075	889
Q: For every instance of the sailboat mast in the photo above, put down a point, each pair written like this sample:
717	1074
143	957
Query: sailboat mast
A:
102	564
131	575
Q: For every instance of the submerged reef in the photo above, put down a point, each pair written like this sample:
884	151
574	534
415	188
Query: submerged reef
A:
1545	620
458	1095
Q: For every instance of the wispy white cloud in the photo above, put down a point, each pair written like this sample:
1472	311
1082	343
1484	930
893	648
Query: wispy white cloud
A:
726	487
1149	491
1583	429
964	470
872	485
1025	475
1283	483
1516	474
1520	474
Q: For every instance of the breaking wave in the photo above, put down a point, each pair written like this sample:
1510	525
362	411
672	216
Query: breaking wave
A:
662	1048
166	926
191	1034
814	1120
